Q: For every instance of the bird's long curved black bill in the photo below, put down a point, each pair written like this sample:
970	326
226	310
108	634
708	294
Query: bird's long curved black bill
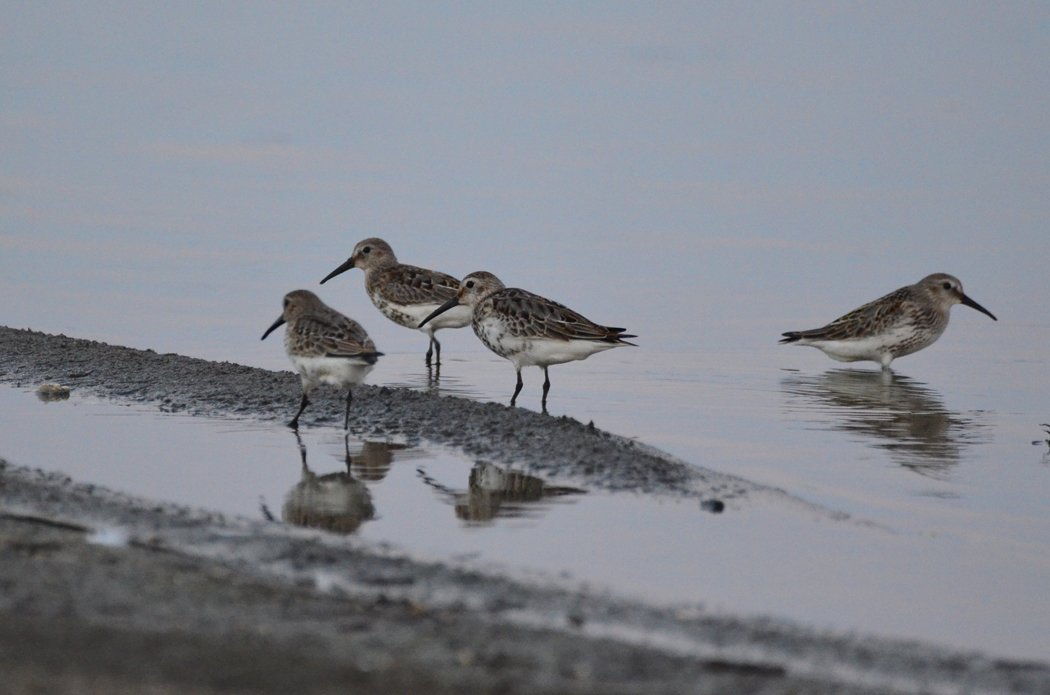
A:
276	324
340	270
974	305
440	310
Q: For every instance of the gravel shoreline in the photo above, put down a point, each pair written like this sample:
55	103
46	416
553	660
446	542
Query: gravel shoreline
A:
104	592
491	431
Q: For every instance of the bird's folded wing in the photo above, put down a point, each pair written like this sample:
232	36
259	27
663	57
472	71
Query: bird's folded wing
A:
407	285
529	315
871	319
336	336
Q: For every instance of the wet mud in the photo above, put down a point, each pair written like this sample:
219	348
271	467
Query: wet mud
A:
552	446
104	592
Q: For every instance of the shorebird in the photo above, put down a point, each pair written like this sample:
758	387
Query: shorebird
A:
900	323
403	293
324	347
528	329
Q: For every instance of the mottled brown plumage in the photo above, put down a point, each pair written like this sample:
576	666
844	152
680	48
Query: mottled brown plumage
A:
407	284
900	323
328	333
403	293
527	329
324	346
525	314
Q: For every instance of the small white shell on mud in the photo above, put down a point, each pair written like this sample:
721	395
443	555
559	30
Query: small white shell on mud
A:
109	536
52	392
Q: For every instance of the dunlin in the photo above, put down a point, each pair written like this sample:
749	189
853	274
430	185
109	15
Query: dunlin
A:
527	329
405	294
900	323
324	347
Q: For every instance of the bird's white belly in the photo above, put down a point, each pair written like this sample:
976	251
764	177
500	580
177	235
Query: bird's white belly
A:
536	352
877	348
543	352
410	315
852	350
337	371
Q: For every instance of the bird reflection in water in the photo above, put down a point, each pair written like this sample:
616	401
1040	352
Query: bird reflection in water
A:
434	382
429	382
374	461
338	502
1040	442
496	492
894	413
50	393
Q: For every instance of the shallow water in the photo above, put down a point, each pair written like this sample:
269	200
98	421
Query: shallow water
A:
948	537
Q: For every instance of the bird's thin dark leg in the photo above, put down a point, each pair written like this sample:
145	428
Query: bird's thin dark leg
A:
433	376
437	351
302	450
546	388
430	350
349	400
294	424
516	390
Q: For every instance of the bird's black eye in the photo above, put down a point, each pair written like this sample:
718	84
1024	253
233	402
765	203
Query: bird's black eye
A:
286	304
367	249
470	285
947	285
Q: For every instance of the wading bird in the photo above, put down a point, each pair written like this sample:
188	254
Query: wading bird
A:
900	323
528	329
405	294
324	347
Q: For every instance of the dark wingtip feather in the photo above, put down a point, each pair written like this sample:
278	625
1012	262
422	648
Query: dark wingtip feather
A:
789	337
367	357
618	337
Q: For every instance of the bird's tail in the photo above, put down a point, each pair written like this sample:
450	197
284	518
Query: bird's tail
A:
617	335
366	357
371	357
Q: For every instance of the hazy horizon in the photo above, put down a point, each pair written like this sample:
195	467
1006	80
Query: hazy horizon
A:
696	174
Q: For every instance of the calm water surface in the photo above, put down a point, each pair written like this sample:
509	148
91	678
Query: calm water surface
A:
959	551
